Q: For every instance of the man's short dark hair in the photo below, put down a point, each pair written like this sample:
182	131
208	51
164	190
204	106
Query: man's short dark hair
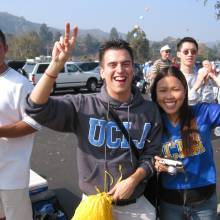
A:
117	44
187	39
2	38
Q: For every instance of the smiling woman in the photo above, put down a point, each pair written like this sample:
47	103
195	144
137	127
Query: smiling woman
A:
186	138
170	96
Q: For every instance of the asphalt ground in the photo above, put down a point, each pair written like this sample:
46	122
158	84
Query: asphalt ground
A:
54	158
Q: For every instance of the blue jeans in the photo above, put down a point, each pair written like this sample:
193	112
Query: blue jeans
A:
206	210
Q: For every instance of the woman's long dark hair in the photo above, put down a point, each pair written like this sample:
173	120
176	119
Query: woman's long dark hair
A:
188	126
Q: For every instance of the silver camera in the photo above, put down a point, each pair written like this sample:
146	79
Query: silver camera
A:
173	165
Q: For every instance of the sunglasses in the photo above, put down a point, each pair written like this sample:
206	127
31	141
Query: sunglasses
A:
192	52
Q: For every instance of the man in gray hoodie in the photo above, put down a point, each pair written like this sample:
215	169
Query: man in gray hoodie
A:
103	153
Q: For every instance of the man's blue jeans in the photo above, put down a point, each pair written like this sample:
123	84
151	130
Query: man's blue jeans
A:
206	210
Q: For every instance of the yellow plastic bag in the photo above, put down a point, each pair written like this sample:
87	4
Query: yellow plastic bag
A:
95	207
99	206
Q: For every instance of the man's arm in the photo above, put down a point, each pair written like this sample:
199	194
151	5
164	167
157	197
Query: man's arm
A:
145	169
215	78
60	54
154	70
201	79
17	129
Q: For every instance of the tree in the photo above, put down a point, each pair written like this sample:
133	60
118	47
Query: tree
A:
57	36
203	52
47	39
217	8
45	33
113	34
26	46
139	43
91	44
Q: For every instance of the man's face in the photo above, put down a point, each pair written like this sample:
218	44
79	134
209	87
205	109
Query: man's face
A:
3	51
187	54
117	71
165	54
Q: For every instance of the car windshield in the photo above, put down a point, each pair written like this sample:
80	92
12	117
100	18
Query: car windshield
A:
28	67
87	66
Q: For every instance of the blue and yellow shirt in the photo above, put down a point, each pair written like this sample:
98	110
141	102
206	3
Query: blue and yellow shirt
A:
199	166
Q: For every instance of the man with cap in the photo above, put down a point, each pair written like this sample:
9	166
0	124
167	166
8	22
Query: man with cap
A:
161	63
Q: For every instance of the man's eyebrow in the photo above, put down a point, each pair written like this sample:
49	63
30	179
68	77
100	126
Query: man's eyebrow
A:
124	61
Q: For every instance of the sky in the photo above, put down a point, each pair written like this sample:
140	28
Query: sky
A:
157	18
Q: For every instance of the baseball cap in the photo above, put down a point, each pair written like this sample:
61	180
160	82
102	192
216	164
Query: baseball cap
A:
166	47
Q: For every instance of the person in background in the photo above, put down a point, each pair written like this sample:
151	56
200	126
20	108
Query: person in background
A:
175	62
102	146
198	89
16	141
147	67
161	63
191	192
210	86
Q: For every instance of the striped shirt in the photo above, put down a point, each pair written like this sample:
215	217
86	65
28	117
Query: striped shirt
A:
159	65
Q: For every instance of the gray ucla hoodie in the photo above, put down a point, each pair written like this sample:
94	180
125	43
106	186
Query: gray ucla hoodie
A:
101	145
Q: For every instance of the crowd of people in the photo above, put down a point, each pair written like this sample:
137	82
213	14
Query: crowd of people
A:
175	124
209	91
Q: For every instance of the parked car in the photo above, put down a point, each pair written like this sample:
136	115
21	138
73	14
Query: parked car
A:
87	66
71	76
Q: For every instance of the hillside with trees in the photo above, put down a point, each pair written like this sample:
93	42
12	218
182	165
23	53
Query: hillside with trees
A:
28	40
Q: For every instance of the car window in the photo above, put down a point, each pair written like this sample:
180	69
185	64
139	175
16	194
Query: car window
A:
71	68
42	68
87	66
28	67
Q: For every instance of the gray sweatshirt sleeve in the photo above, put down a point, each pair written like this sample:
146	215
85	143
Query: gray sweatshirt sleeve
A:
59	113
153	144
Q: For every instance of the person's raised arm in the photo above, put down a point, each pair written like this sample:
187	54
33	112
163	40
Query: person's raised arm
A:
60	54
215	78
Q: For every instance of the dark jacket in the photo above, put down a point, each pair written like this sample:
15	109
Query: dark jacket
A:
86	116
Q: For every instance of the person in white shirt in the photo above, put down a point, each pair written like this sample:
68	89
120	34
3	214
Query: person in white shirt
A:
210	90
198	85
16	142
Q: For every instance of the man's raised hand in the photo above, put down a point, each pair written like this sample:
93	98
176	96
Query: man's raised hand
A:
64	47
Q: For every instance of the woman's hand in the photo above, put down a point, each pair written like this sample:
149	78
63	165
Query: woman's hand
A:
159	166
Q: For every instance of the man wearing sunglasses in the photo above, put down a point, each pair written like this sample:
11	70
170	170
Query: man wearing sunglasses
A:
198	84
163	62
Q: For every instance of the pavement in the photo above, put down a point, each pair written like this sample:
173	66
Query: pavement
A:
54	158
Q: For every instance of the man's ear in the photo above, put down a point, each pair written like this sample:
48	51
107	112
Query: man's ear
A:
178	54
102	74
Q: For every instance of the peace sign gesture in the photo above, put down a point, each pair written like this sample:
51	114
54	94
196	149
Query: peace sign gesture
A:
61	52
62	49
